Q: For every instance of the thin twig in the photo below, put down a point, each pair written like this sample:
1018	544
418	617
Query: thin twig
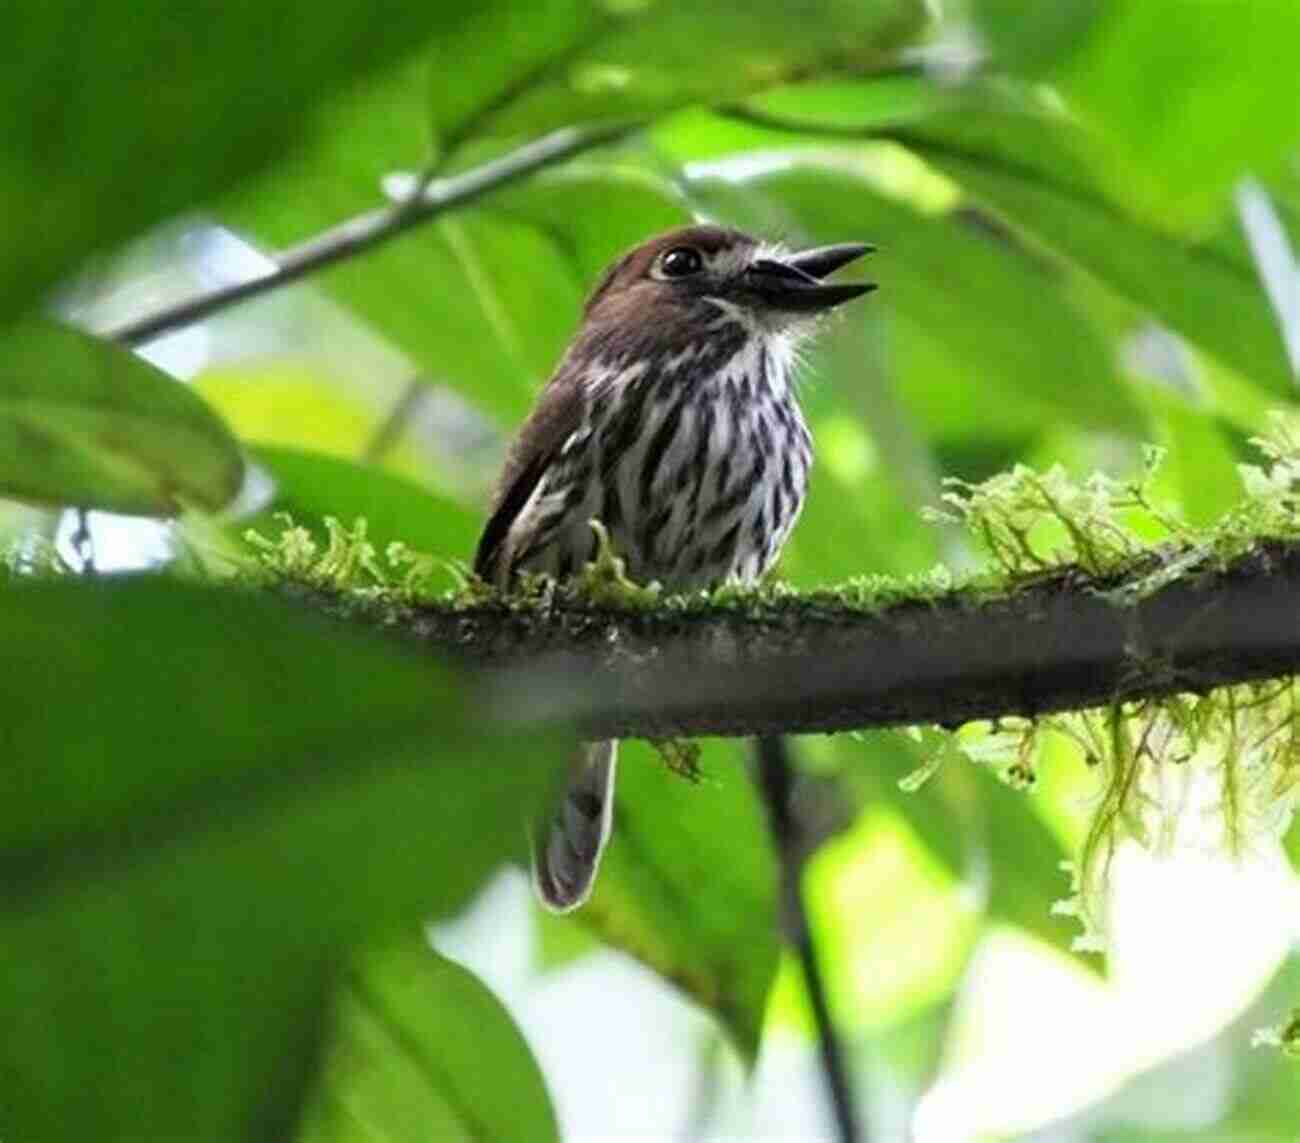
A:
776	779
368	230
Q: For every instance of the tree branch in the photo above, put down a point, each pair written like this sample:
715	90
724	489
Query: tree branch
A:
815	663
374	227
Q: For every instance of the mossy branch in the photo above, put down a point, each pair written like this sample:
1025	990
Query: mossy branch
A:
782	664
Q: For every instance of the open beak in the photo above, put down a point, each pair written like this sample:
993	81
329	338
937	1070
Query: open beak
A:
794	283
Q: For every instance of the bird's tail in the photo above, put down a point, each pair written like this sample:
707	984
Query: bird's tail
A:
567	849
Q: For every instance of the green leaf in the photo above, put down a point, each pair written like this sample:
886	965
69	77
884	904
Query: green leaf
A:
1199	472
1032	38
117	118
618	60
996	312
310	486
595	212
1026	164
688	885
896	927
1169	146
208	796
84	422
422	1050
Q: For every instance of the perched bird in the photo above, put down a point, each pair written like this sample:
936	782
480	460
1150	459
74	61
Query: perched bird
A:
672	419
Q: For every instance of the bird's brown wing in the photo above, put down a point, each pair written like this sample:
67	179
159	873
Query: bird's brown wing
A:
557	414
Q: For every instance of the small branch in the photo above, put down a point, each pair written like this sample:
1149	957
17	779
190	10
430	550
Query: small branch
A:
776	780
368	230
811	664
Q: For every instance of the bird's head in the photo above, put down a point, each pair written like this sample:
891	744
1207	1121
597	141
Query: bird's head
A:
699	273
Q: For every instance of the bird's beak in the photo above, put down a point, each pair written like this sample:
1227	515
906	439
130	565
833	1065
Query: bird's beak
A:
794	283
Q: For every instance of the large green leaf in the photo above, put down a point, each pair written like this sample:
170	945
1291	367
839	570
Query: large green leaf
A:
584	62
1026	163
84	422
422	1050
117	116
688	885
1170	146
207	797
998	313
310	486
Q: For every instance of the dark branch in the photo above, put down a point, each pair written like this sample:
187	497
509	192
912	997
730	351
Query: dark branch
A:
776	780
368	230
816	664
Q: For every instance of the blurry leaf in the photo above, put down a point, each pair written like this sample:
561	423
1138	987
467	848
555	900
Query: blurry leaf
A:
1199	472
595	213
311	486
861	104
84	422
688	885
1170	147
278	403
1033	37
422	1050
993	308
896	927
1027	165
1175	147
637	60
115	120
502	49
855	520
207	797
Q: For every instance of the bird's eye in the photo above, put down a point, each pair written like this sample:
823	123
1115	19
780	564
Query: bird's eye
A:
681	262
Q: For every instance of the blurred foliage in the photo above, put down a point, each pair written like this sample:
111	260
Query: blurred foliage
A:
118	116
208	797
87	423
233	795
420	1049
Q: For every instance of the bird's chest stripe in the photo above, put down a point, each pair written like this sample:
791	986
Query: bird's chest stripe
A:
697	479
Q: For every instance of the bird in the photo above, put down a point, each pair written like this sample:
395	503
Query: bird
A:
672	420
